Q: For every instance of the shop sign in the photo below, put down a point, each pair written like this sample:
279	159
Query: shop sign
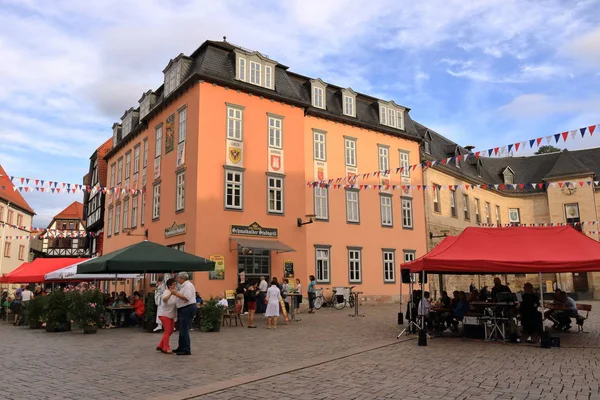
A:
254	229
288	269
175	230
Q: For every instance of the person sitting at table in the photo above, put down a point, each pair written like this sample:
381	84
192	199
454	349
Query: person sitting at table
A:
473	296
198	298
137	316
564	316
551	314
498	288
424	308
108	302
459	310
120	314
445	300
222	301
454	300
531	318
484	294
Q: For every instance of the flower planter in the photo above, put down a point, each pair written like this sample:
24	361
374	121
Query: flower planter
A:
35	325
90	329
50	327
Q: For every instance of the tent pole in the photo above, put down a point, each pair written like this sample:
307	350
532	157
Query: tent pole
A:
541	291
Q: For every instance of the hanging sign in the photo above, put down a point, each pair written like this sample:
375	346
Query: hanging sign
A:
175	230
254	229
288	269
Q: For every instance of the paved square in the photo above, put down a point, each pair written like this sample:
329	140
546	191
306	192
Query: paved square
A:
326	355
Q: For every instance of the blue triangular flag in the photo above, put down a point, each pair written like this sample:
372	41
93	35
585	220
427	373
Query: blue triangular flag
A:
510	146
582	130
556	137
490	151
531	143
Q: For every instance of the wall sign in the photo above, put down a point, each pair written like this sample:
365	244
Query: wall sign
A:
513	216
275	161
288	269
254	229
170	134
175	230
219	272
235	155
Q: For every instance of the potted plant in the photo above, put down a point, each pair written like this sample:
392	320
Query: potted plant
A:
150	313
37	311
212	316
57	320
86	309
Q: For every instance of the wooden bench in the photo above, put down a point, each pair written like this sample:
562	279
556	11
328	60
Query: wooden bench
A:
581	318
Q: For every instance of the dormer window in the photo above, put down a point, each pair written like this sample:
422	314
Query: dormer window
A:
254	68
116	134
146	103
391	114
427	146
175	72
319	99
349	102
509	176
127	125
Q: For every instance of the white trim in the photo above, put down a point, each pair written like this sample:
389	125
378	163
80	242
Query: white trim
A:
322	264
389	266
156	201
180	191
234	183
274	188
354	265
352	206
350	152
235	123
275	132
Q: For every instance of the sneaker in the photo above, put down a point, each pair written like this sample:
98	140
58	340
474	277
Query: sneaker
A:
246	313
158	328
448	330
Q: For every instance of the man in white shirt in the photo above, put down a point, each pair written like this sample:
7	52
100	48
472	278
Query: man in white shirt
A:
260	301
26	296
158	293
186	310
223	302
424	307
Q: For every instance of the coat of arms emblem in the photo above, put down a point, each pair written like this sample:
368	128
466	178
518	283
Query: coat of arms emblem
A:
235	154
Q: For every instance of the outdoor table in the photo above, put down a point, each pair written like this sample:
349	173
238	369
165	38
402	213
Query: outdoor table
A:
115	310
356	314
293	306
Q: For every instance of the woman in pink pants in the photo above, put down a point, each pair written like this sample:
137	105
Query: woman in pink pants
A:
167	312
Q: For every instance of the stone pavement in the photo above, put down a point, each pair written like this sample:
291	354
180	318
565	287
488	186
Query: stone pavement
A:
326	355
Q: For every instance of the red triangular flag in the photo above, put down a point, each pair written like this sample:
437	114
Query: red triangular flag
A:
517	146
496	151
581	183
560	184
592	129
565	135
539	140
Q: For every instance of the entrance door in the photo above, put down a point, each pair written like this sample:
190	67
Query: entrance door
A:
580	282
254	263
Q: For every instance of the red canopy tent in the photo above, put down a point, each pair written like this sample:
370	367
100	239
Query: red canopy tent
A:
36	270
516	250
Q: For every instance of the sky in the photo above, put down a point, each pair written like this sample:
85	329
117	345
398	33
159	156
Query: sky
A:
485	73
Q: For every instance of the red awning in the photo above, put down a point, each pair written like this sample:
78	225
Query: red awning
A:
516	250
37	269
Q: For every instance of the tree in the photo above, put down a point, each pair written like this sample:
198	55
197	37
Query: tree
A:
547	149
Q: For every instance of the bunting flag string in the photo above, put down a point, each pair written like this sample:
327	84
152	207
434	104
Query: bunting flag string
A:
495	151
495	186
36	228
72	189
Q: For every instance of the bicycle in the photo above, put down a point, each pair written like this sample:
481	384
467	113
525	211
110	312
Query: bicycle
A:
333	301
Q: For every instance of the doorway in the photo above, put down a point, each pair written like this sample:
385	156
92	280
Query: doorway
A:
580	282
254	263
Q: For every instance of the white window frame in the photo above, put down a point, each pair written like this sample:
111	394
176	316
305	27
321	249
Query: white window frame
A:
322	264
134	211
235	123
352	206
7	246
498	218
268	77
466	209
275	186
127	165
255	73
117	218
180	191
409	256
321	195
145	155
389	265
400	119
143	210
453	203
349	106
236	188
318	97
158	141
119	170
407	213
488	213
320	146
436	198
350	152
386	210
153	278
125	214
477	211
110	221
382	115
275	132
405	163
21	253
156	201
136	159
182	125
242	69
384	158
354	265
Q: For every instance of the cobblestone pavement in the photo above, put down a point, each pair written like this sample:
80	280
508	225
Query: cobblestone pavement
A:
325	355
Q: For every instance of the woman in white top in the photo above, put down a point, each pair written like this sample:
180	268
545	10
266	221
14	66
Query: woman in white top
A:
167	311
272	300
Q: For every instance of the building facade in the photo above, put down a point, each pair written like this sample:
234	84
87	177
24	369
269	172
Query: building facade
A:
216	162
94	199
450	208
66	235
15	225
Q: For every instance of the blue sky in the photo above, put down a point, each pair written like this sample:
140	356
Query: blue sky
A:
486	73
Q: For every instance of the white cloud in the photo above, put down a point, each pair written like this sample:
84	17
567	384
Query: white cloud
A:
537	105
585	48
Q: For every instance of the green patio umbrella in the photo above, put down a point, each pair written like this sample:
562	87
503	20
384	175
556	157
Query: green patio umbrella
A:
145	257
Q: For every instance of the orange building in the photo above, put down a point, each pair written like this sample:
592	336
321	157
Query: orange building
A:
224	149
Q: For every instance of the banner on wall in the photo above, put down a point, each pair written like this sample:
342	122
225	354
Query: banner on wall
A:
235	154
180	154
275	160
288	269
219	272
351	175
170	134
320	170
157	168
385	182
